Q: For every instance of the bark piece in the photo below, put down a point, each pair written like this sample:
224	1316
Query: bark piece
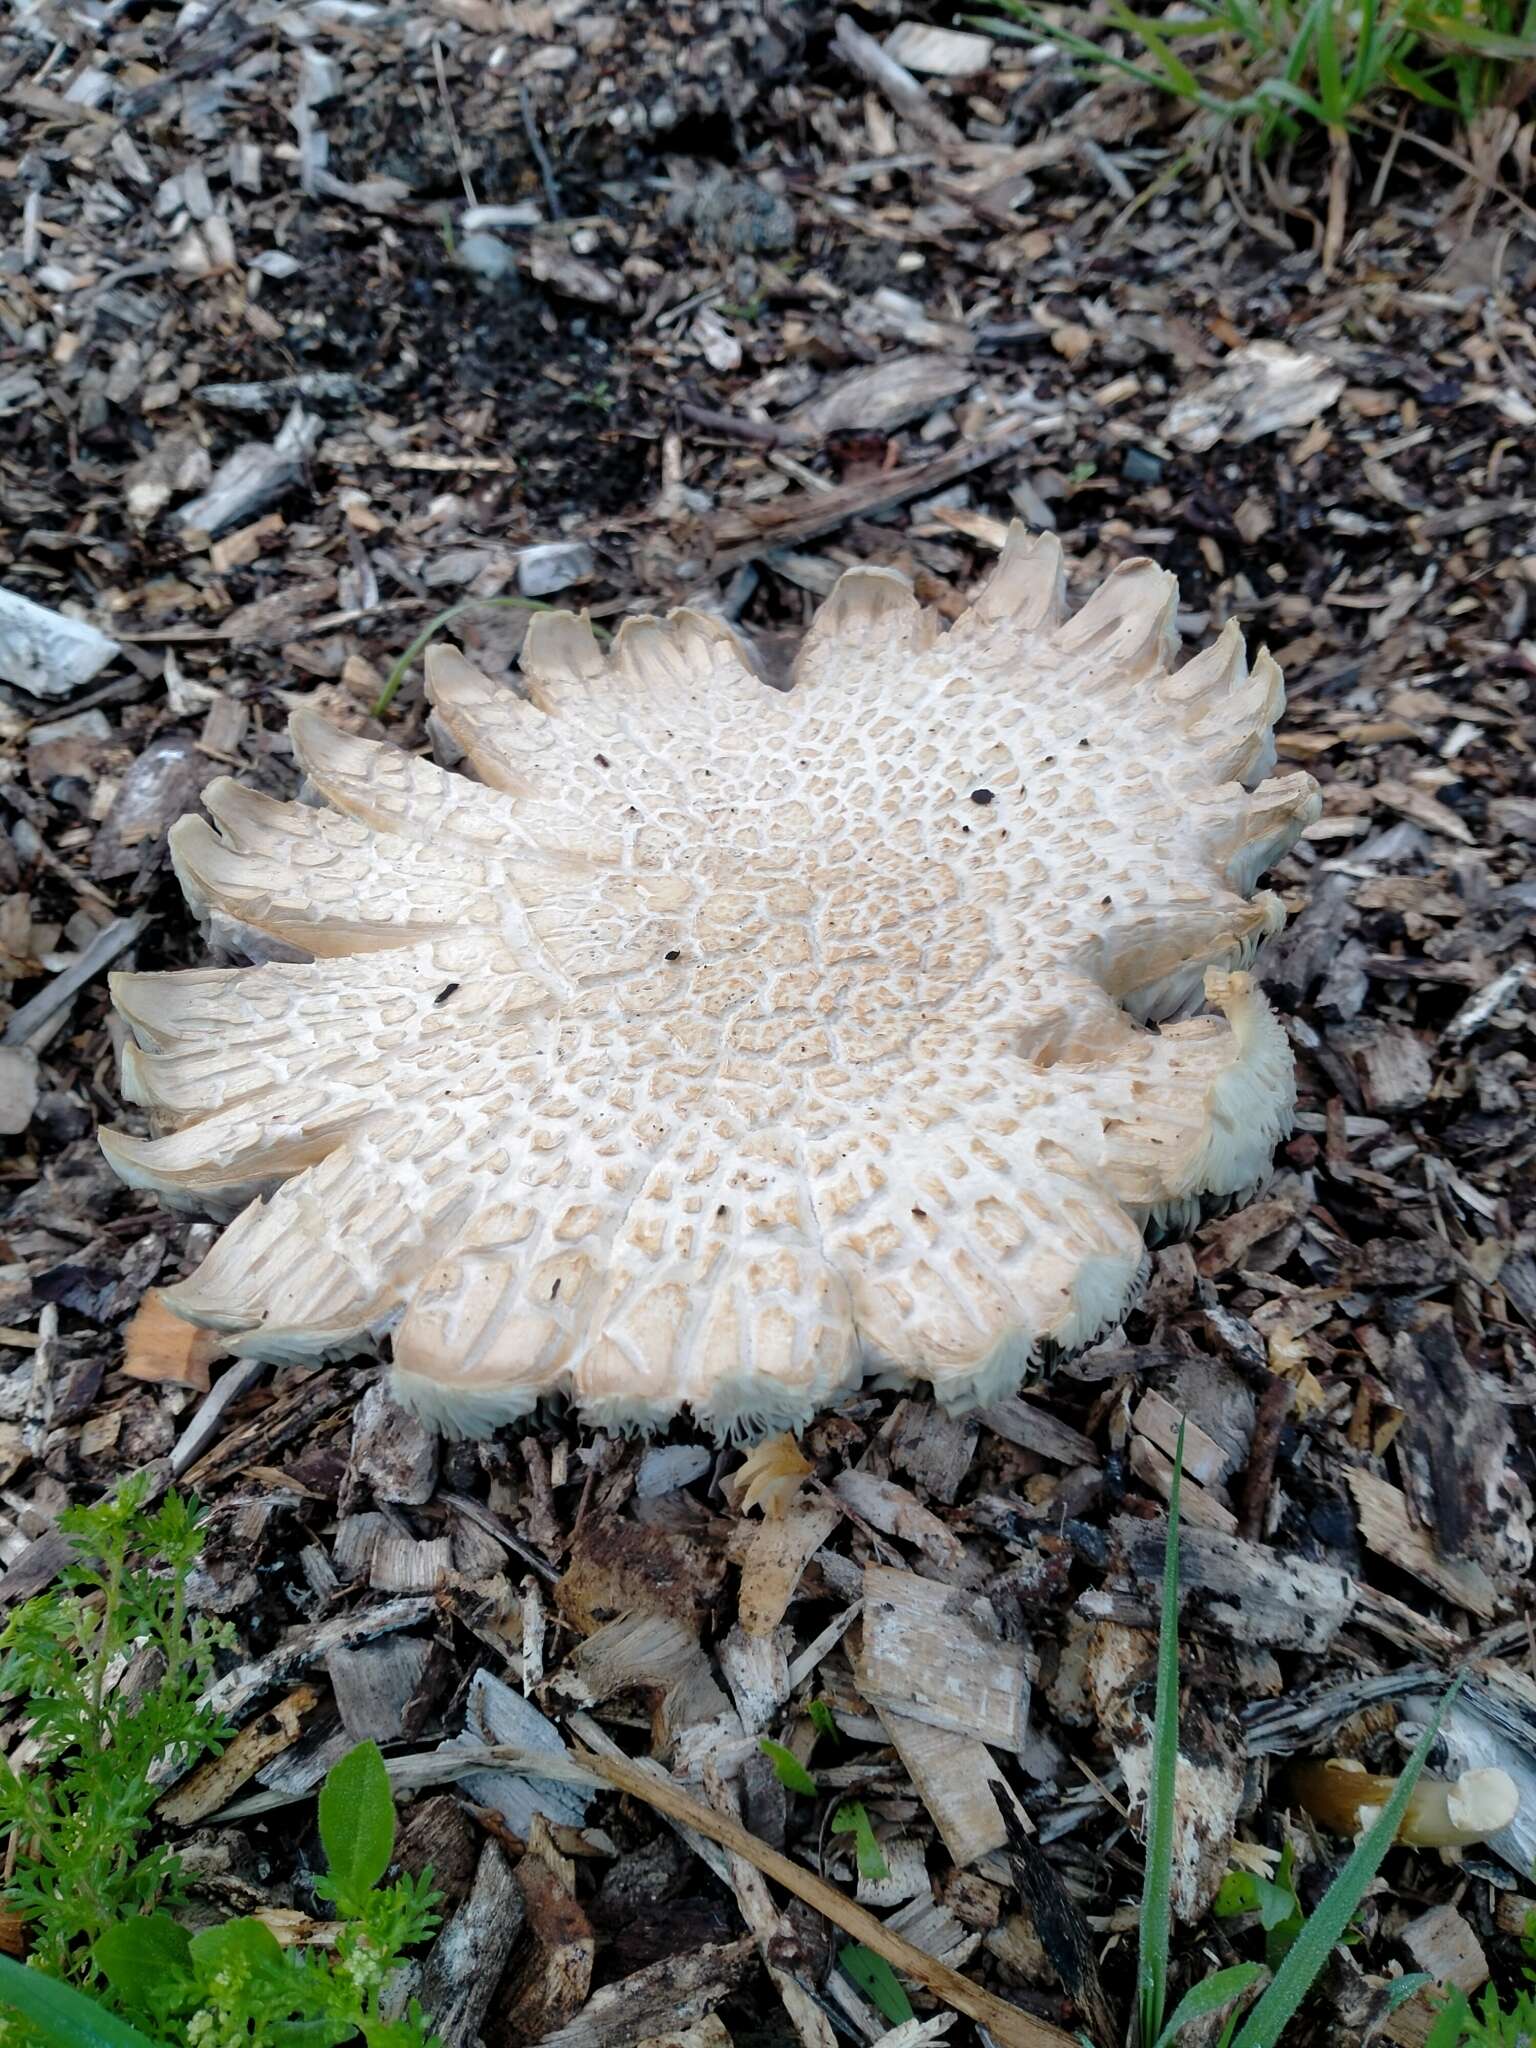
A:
49	653
1387	1528
376	1684
394	1453
1033	1428
924	1656
663	2001
252	477
215	1783
953	1776
619	1567
775	1557
159	1345
656	1656
1250	1593
550	1986
471	1953
494	1713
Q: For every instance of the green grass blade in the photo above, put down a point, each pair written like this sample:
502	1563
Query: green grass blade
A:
418	646
61	2016
1362	71
1206	27
1467	35
1281	89
1157	1880
1028	27
1330	73
1410	81
1313	1946
1180	77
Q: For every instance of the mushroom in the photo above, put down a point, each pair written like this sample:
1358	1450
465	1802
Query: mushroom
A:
1442	1813
720	1044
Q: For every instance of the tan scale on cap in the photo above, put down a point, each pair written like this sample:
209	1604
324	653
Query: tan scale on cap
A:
719	1045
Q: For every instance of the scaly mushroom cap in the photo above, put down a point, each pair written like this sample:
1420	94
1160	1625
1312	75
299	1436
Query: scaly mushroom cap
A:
721	1045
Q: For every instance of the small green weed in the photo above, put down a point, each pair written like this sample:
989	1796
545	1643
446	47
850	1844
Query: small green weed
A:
1272	1898
430	631
787	1768
235	1985
1310	1944
821	1719
110	1671
434	626
1486	2022
1279	64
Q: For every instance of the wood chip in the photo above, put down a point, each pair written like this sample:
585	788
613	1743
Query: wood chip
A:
923	1655
160	1345
775	1557
216	1782
1387	1528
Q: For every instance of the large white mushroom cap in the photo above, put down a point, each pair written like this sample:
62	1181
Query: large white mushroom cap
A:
720	1045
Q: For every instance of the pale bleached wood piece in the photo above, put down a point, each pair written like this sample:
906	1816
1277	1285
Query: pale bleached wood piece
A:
923	1655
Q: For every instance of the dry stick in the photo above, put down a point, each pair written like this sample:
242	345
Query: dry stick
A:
1339	168
1007	2024
908	95
836	507
769	1931
1259	1476
541	155
453	127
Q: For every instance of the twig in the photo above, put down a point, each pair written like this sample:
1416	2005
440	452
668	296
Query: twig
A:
1259	1476
540	154
38	1412
786	526
896	84
1007	2024
113	939
769	1932
737	428
453	127
1340	165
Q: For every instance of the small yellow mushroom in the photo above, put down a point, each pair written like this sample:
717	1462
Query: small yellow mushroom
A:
1442	1813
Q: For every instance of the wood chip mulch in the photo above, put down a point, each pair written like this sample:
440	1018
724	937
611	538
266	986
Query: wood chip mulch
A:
315	321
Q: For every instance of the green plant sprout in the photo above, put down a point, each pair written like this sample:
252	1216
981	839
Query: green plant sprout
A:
787	1768
1487	2022
852	1818
434	626
1272	1898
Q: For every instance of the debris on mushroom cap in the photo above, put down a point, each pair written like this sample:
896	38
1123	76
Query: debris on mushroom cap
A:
720	1045
1442	1813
